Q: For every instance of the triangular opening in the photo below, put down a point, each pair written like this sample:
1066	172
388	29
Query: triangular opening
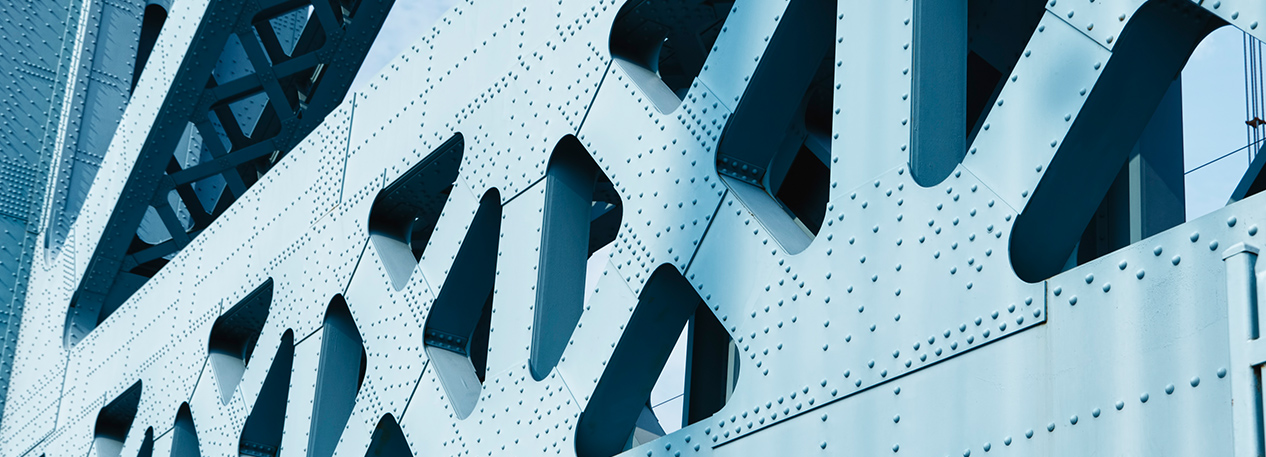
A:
115	420
337	382
388	440
285	34
233	62
1108	187
344	10
662	45
184	438
405	212
582	213
151	23
261	436
234	336
456	331
775	152
657	381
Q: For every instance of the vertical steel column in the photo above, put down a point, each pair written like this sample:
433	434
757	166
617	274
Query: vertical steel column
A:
938	130
1156	170
1147	196
1246	392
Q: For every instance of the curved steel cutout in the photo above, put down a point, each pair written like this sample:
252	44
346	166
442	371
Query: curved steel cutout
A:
775	151
115	420
261	435
151	24
388	440
184	438
234	336
662	45
337	382
1152	50
618	406
582	213
405	212
456	331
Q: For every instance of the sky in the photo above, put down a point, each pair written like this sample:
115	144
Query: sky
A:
408	22
1213	125
1213	120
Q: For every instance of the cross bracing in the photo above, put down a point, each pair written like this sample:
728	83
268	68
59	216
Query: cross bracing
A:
884	227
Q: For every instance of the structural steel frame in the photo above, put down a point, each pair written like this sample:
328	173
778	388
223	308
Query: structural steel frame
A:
944	300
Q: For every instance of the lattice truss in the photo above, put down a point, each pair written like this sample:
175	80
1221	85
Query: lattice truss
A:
888	228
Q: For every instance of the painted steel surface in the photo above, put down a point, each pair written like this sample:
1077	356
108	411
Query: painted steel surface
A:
928	315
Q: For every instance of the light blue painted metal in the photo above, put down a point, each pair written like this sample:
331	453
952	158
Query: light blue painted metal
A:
853	309
69	75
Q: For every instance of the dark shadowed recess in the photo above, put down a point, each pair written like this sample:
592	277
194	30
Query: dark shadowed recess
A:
1117	177
581	214
456	330
234	336
388	440
662	44
339	376
775	151
618	415
115	420
405	212
261	436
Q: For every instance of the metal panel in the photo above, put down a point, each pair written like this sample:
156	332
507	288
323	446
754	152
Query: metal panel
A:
901	326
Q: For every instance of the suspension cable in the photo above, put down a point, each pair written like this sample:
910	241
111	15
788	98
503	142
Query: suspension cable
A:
1223	156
